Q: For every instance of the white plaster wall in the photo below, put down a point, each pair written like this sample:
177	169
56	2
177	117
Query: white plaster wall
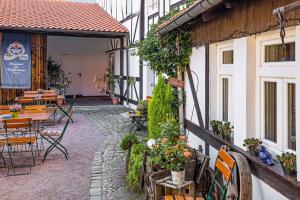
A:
197	66
85	56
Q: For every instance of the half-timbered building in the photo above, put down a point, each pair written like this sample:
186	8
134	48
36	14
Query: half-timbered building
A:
240	73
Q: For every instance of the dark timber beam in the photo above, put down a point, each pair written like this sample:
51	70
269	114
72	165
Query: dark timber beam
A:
121	69
142	32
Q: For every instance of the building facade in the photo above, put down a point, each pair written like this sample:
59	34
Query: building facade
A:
241	73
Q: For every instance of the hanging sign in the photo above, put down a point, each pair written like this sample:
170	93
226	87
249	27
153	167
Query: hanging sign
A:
16	61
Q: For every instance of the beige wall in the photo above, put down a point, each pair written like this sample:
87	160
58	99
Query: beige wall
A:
82	59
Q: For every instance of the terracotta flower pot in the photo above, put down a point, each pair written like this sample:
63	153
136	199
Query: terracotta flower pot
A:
115	100
178	177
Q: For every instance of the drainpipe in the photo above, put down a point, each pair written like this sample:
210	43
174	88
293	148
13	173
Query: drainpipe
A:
196	9
287	8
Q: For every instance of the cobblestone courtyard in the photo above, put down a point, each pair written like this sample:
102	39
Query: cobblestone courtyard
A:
108	171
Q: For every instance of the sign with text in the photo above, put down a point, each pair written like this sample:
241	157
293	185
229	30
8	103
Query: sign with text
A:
16	61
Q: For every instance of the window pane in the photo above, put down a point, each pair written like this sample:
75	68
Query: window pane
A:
277	53
225	99
271	111
291	116
228	57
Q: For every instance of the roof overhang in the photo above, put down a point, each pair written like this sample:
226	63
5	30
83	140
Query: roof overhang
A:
197	8
64	32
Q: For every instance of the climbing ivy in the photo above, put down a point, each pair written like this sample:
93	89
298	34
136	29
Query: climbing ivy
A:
160	107
162	52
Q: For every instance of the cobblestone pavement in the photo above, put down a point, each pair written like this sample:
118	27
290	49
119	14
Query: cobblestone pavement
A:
108	170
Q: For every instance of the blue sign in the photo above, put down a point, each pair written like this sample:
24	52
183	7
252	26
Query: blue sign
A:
16	61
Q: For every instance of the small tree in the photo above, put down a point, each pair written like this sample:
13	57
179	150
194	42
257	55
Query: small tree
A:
160	107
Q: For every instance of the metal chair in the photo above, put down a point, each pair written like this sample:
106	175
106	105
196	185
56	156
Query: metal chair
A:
224	166
54	138
66	112
18	133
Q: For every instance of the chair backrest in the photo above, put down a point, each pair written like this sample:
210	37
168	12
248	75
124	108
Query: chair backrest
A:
17	123
4	112
4	107
225	165
24	100
67	124
49	91
35	107
30	93
34	111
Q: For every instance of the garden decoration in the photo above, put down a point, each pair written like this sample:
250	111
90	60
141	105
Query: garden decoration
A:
15	110
265	156
252	145
216	125
288	162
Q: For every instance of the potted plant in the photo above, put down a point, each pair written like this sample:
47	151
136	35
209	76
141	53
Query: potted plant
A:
15	110
172	154
288	162
215	125
142	107
112	85
226	130
252	145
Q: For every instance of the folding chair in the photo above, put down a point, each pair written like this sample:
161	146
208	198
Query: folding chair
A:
66	112
18	133
224	166
54	138
26	100
2	145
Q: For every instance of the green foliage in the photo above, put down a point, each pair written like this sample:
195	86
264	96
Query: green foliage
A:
167	52
135	164
251	142
128	140
215	124
288	162
142	105
170	129
160	107
226	130
56	75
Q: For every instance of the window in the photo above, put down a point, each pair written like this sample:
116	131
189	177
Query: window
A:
276	74
153	4
225	73
280	53
225	85
270	111
291	115
227	57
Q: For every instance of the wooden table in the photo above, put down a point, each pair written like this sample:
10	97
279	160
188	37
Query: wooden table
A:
35	117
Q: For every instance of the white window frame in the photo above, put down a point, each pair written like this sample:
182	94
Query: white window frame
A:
279	144
230	98
152	7
281	73
225	71
285	122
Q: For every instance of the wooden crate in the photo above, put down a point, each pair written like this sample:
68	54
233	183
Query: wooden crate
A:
165	186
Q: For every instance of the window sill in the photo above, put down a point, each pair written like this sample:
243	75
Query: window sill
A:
271	175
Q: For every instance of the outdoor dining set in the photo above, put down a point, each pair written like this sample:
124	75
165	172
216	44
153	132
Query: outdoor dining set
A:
27	123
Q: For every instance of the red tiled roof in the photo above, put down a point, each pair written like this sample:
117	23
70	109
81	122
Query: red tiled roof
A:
57	15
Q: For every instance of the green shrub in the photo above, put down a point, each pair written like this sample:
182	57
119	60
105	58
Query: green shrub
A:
128	140
160	107
135	164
